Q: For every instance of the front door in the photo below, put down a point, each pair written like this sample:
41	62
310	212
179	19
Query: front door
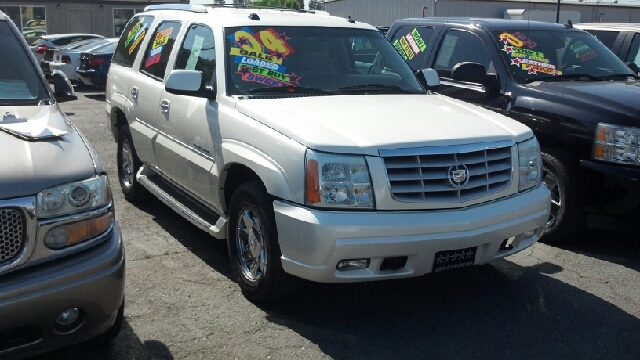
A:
460	46
193	121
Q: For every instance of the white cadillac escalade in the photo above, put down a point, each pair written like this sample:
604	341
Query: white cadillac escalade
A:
307	143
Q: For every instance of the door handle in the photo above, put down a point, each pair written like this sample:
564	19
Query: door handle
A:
164	106
134	93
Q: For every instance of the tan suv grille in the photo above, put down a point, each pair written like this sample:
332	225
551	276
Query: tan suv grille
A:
12	234
426	174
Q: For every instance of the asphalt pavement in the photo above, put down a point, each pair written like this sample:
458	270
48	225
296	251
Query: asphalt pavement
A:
579	302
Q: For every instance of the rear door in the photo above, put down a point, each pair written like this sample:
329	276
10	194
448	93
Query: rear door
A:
122	90
150	110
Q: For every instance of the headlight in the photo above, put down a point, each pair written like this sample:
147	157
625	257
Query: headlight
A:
339	181
530	164
617	144
73	197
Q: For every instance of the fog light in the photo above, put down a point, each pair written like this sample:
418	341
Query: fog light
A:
68	317
345	265
530	233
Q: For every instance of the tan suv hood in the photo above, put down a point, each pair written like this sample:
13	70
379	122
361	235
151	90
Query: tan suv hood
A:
366	123
29	164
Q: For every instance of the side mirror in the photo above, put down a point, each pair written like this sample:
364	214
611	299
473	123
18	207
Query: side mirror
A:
62	88
469	72
633	66
429	78
188	82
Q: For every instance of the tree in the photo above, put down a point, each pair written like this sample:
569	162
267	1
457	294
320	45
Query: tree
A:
290	4
316	5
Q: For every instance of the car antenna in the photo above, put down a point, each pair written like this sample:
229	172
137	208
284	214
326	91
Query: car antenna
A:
568	25
351	20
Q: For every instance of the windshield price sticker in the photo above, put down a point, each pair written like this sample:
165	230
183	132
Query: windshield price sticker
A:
410	44
583	51
259	56
162	38
533	62
135	36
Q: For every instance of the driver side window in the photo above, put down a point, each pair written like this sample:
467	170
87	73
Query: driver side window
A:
198	52
458	47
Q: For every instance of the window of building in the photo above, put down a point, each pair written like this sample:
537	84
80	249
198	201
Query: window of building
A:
31	20
120	18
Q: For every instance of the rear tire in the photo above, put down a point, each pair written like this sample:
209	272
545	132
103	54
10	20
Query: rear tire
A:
566	218
252	243
128	166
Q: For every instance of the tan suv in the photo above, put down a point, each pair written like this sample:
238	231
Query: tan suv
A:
61	252
266	127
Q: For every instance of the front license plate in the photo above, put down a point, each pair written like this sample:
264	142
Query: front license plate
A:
454	259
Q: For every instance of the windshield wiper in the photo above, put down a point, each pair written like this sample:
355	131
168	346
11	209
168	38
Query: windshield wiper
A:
564	77
290	89
379	87
618	76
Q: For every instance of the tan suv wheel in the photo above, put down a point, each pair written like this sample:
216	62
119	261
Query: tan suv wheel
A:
128	166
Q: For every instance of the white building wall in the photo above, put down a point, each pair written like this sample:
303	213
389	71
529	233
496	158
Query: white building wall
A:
385	12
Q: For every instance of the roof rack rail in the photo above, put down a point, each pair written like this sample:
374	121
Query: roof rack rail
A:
258	7
183	7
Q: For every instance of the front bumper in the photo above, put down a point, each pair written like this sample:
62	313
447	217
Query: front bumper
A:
312	242
612	190
31	299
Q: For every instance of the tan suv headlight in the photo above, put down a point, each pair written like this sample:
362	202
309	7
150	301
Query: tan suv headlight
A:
337	181
73	198
617	144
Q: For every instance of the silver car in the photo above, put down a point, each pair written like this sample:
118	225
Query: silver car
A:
61	252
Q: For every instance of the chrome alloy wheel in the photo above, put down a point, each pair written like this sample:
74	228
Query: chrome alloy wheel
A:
252	253
551	182
126	165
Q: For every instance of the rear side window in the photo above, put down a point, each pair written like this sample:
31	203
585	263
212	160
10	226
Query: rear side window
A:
634	53
412	42
198	52
70	40
608	38
129	43
156	57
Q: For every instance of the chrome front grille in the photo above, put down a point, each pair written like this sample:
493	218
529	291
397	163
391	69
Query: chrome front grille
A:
426	174
12	234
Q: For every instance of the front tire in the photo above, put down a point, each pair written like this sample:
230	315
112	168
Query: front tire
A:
252	243
566	218
128	166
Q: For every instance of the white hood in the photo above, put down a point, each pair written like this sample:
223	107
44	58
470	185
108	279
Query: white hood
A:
364	124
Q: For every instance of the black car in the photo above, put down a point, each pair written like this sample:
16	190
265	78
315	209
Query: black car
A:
623	39
581	101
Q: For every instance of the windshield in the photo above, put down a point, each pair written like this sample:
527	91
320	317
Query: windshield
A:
19	80
314	59
542	54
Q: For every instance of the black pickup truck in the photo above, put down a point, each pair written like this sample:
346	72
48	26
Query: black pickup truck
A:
582	102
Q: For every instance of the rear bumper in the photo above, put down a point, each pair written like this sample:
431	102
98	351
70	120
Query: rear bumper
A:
67	69
91	77
312	242
32	298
